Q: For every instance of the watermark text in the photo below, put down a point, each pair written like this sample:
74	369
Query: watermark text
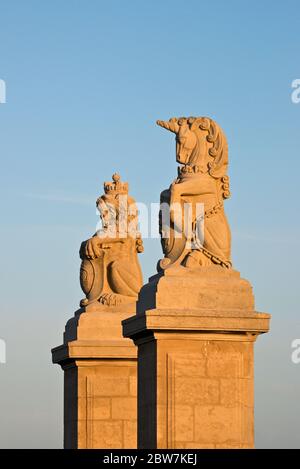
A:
2	91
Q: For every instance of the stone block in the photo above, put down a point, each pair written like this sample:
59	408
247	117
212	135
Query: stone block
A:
124	408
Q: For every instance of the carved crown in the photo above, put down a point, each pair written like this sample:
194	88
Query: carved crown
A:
116	186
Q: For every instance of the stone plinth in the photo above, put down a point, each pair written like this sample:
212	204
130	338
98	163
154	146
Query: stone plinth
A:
100	408
195	331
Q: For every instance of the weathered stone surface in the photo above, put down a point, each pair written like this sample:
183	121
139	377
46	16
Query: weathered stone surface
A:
100	388
200	365
190	390
106	434
130	434
184	424
123	407
133	386
222	425
202	387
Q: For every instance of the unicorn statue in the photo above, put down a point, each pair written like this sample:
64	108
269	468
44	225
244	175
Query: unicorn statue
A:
201	186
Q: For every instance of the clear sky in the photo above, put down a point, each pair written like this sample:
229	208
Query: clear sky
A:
86	81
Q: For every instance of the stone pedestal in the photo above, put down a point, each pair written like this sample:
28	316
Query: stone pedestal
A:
99	380
195	331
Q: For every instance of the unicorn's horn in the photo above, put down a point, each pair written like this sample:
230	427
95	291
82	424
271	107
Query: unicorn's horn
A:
172	126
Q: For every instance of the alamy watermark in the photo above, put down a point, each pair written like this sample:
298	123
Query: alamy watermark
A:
295	356
2	92
295	96
122	219
2	351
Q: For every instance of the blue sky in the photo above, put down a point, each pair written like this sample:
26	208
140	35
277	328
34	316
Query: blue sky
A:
86	82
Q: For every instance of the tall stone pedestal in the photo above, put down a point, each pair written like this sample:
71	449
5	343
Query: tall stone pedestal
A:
99	380
195	331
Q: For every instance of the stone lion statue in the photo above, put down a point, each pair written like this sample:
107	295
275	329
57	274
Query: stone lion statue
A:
110	272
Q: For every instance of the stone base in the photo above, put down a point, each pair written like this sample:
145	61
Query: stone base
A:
195	359
100	403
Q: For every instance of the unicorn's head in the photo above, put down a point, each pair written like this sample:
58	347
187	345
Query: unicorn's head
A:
199	141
